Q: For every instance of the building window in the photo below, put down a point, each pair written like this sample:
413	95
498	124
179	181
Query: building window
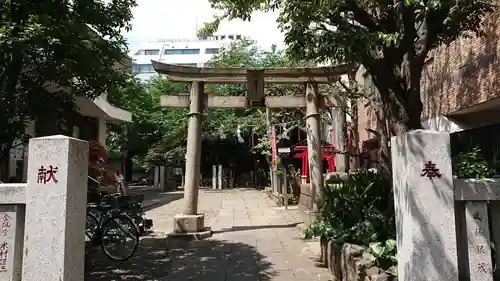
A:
151	52
238	37
223	37
211	51
182	52
142	68
148	52
231	37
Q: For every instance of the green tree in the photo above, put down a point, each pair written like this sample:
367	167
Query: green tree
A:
391	39
53	51
156	134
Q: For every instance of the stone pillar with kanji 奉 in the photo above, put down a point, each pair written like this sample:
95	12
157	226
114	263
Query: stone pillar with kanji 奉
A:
425	206
190	224
56	201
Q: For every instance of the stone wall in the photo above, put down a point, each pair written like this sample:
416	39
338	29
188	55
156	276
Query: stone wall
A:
305	199
305	202
350	262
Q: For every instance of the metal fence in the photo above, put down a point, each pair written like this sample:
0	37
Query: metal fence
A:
486	138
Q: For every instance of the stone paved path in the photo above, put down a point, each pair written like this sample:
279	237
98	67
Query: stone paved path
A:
253	240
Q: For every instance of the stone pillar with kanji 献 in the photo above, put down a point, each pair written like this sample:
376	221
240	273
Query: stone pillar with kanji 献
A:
56	203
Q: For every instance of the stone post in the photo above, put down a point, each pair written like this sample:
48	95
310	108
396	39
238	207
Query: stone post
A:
162	178
495	225
12	214
56	207
284	190
478	241
232	179
220	176
190	222
156	176
314	143
424	205
214	176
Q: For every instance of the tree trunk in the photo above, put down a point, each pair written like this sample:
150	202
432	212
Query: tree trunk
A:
397	103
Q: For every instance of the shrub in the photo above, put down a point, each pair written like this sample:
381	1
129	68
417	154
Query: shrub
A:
358	210
472	165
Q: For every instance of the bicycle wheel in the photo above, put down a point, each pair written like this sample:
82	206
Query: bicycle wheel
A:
120	238
91	225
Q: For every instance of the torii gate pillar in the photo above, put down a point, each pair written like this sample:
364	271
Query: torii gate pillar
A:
190	223
314	143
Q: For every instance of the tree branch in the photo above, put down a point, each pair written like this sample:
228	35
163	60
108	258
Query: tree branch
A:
362	16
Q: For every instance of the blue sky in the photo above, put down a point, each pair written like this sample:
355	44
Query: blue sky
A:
159	19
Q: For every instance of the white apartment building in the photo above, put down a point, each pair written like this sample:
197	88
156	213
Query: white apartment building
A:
188	52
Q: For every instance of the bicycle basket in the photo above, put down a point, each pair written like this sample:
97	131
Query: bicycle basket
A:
136	199
122	202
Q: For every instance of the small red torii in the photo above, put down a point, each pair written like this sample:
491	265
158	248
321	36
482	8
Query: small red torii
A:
328	154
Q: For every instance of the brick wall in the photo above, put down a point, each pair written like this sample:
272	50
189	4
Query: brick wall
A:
463	74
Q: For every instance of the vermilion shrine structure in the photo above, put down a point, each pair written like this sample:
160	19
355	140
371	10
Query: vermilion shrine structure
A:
190	222
328	153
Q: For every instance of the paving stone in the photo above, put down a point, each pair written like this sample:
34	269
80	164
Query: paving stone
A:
283	275
252	241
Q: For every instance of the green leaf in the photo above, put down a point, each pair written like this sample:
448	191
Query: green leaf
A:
393	270
390	245
377	249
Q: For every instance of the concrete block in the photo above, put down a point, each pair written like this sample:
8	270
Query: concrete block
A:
188	223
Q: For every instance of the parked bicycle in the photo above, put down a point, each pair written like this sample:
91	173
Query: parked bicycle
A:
132	206
109	226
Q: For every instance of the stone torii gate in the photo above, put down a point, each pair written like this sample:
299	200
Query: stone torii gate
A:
190	222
